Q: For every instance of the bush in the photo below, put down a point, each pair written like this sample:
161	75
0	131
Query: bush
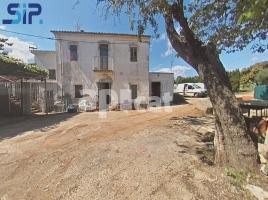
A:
262	77
193	79
234	77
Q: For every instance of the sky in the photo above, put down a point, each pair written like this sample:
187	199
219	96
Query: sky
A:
65	14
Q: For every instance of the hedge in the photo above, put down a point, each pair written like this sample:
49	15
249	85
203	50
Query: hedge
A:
14	67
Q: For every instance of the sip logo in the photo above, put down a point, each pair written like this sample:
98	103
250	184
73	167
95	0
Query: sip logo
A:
23	13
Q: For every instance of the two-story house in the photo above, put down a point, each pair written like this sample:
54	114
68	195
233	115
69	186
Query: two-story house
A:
88	62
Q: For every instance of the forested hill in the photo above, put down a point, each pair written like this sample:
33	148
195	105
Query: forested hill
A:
244	79
249	74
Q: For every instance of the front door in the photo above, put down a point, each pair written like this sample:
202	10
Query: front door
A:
134	94
134	91
104	94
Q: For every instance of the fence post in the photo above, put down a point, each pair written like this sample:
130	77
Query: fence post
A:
21	96
46	107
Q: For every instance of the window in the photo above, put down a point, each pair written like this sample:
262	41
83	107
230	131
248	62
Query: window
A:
196	86
73	53
78	91
133	54
104	52
52	74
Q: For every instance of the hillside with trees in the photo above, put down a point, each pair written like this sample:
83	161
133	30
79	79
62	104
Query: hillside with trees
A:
241	80
252	75
192	79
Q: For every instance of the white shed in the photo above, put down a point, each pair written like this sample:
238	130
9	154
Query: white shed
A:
161	84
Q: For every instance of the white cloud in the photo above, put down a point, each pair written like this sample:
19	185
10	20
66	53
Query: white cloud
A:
19	49
178	70
169	51
2	27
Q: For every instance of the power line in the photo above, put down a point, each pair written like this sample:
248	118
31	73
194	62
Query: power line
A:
56	39
26	34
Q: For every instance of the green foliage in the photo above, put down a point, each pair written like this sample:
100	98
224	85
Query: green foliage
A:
4	42
234	77
253	11
248	74
262	77
193	79
14	67
231	25
237	178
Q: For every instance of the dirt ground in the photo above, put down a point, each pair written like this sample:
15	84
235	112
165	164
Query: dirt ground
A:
128	155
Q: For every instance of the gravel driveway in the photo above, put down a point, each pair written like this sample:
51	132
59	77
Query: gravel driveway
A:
134	155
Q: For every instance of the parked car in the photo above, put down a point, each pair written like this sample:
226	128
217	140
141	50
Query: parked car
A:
191	89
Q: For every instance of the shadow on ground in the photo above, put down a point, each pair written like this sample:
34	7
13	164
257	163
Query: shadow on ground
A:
178	99
202	128
30	123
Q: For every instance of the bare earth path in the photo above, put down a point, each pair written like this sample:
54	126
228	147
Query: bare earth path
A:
130	155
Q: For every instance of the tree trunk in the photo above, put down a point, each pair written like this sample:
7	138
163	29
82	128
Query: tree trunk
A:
234	146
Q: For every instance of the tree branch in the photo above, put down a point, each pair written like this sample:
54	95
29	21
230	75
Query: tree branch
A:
178	14
178	42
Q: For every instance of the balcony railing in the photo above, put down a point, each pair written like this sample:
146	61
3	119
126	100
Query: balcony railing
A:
103	64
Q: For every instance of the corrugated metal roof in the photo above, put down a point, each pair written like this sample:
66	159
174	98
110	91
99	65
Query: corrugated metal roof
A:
161	72
42	51
100	33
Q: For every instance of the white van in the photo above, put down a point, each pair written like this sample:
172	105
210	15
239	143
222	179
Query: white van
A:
190	89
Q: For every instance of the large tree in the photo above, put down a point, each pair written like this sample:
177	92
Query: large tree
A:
231	25
234	146
3	43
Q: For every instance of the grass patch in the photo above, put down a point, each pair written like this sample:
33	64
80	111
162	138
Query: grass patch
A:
237	178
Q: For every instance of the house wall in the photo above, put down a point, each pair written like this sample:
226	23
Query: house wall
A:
71	73
45	59
166	80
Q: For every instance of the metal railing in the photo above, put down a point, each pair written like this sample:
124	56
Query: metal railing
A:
103	63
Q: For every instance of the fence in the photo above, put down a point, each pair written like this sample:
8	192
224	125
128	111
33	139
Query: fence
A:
261	92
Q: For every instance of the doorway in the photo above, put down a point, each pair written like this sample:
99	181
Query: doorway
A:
155	94
104	95
134	94
156	89
134	91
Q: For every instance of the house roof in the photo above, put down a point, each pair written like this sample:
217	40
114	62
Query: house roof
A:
161	72
42	51
100	33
